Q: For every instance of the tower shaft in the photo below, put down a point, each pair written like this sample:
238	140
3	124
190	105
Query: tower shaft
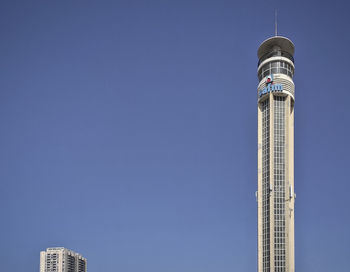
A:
276	156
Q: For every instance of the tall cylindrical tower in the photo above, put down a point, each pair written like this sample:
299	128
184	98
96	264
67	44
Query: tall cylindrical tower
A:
275	194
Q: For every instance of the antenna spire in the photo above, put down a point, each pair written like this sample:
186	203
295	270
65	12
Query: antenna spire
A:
275	22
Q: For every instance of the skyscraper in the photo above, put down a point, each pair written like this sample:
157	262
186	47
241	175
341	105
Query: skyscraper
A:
275	195
60	259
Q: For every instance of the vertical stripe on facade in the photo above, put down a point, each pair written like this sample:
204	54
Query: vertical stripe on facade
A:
279	169
266	183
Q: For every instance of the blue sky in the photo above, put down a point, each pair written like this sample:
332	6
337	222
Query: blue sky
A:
129	129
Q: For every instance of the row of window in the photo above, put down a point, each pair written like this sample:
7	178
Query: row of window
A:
279	178
266	184
276	67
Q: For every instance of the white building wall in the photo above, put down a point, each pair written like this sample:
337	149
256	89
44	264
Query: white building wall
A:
56	260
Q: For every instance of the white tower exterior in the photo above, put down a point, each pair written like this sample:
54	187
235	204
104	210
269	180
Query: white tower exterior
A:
275	194
60	259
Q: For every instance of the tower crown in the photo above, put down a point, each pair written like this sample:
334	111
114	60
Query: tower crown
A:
276	46
276	57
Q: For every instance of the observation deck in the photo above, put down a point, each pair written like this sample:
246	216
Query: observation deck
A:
276	46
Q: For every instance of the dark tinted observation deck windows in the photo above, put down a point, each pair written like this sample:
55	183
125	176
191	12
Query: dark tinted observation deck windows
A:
276	67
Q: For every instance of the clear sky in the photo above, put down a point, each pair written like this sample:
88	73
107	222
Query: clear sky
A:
129	132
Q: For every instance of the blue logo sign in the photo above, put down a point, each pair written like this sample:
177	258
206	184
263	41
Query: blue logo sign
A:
270	86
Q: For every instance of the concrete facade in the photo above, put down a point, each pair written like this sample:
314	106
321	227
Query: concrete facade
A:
275	195
59	259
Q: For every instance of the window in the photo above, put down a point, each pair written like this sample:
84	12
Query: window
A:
275	67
